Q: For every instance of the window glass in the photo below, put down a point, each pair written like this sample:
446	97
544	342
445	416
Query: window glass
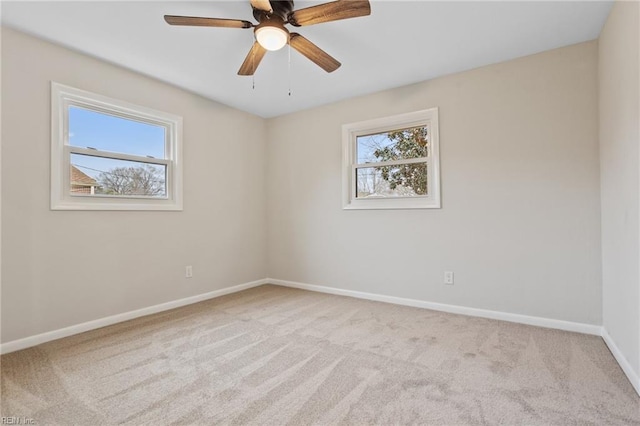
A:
392	145
406	180
110	176
106	132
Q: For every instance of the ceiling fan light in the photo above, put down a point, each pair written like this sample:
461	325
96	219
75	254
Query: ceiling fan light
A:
272	37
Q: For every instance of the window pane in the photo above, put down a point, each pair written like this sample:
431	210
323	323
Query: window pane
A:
397	145
92	129
107	176
406	180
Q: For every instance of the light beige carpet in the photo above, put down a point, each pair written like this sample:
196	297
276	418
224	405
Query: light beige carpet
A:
274	355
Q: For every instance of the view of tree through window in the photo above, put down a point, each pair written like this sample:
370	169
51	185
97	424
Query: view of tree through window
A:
140	180
403	169
116	177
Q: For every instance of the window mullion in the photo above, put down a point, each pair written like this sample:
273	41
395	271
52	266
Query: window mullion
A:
392	163
116	156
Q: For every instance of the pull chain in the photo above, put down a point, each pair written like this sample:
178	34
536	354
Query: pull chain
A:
253	76
289	68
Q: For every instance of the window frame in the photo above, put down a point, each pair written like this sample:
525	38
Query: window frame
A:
350	132
62	97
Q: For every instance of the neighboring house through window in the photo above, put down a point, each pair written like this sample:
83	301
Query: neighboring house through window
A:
82	183
108	154
392	162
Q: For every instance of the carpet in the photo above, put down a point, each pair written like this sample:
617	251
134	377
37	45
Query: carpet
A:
275	355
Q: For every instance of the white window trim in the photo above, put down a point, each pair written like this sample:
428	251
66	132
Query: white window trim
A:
61	199
427	117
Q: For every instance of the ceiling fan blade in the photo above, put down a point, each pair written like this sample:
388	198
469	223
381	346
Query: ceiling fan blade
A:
206	22
336	10
252	60
262	5
313	52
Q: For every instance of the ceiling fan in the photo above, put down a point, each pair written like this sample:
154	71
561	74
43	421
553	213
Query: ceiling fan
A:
271	33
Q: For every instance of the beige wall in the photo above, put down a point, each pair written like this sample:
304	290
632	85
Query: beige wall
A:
619	162
61	268
520	223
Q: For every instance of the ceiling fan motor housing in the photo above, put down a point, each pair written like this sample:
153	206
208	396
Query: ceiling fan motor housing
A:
281	9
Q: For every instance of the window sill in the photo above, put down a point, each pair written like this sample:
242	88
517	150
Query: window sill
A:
392	204
137	205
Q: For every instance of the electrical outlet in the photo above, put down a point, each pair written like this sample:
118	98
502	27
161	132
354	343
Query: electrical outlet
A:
448	277
188	271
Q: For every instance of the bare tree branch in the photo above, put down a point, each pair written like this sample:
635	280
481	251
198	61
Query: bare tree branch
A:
141	180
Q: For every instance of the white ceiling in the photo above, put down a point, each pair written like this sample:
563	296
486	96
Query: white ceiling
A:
402	42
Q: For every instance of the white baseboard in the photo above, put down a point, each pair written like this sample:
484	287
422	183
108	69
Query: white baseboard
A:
454	309
30	341
633	376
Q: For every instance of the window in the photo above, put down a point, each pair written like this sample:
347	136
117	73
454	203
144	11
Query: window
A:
107	154
392	162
